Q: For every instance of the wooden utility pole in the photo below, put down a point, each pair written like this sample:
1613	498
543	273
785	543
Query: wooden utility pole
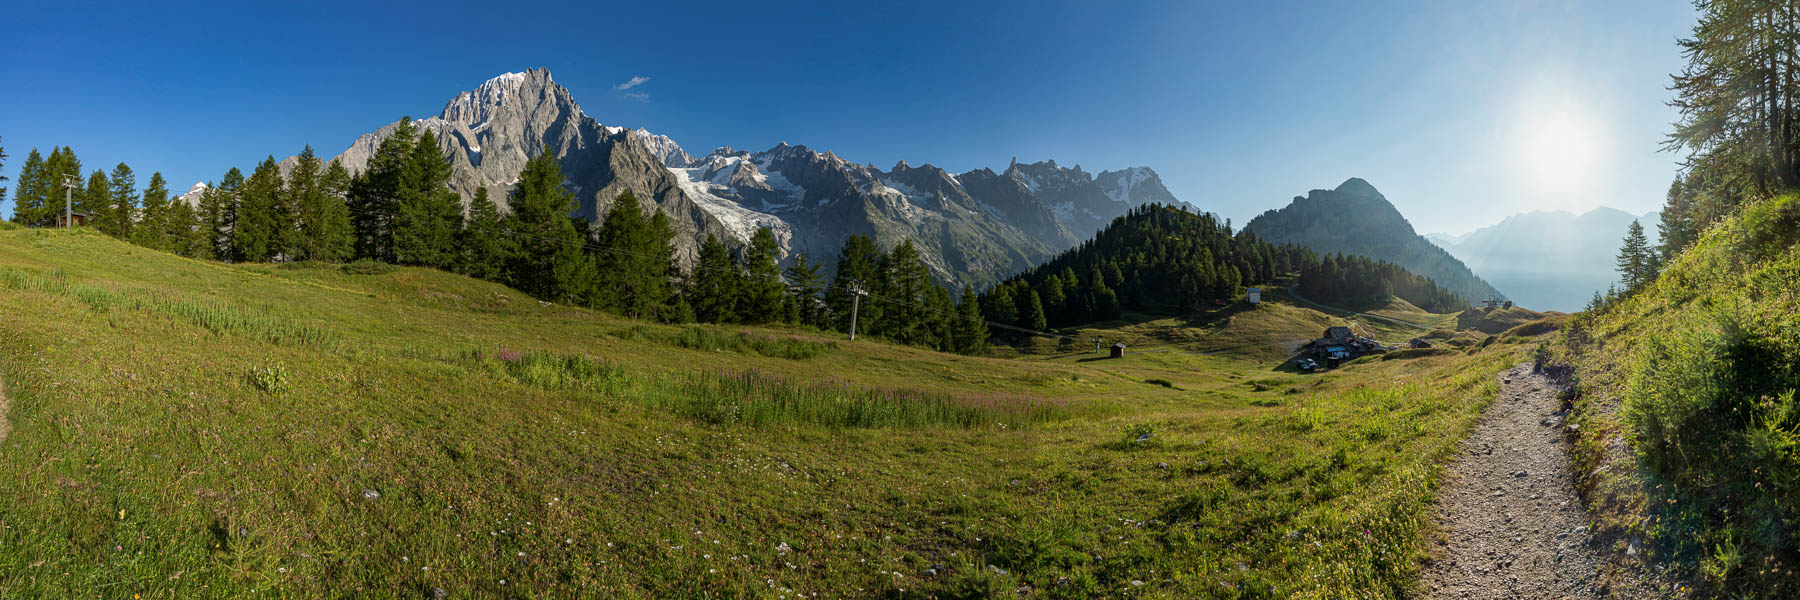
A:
856	294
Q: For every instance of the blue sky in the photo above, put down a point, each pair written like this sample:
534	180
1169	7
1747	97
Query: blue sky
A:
1460	112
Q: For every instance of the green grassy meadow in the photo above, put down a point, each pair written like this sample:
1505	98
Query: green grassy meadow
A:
187	429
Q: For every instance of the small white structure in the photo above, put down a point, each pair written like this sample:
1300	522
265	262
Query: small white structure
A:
1254	295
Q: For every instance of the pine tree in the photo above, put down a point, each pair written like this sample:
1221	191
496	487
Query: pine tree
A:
189	233
374	196
634	256
1031	312
763	289
120	209
906	282
1002	305
62	166
550	263
857	266
219	211
1677	227
940	324
714	292
304	195
1737	96
94	199
28	202
804	284
1634	261
485	248
427	213
328	234
152	230
259	230
971	330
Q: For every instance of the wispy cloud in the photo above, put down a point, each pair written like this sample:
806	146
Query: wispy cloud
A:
635	81
622	90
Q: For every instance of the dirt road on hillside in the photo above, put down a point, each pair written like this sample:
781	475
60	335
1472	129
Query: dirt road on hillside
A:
1511	524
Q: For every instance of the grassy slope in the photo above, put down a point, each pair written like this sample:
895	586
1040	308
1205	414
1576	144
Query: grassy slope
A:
1649	353
191	429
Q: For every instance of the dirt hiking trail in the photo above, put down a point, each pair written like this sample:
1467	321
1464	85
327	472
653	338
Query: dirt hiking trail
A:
1512	526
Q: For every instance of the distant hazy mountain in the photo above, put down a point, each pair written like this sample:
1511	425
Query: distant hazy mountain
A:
972	228
1356	219
1549	260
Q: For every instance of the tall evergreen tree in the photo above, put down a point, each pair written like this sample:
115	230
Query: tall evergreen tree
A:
219	211
259	230
763	294
906	283
1635	263
93	199
62	167
374	196
971	330
857	267
1738	94
115	217
551	262
304	195
328	233
152	230
190	234
714	291
804	285
428	213
28	202
1031	311
485	248
634	256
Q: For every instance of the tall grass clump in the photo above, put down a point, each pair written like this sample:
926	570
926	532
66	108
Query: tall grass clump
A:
759	399
1711	407
217	317
549	369
744	342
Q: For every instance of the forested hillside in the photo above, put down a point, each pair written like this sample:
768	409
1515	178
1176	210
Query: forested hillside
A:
1167	260
1357	219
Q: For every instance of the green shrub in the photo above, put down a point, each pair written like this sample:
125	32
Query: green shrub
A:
1712	409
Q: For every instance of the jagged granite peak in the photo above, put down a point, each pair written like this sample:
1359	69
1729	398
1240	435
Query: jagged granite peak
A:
1357	219
1135	186
971	229
664	148
192	196
1076	198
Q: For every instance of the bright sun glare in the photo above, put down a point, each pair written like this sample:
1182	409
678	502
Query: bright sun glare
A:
1560	147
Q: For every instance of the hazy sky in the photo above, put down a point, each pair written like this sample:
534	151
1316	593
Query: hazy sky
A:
1460	112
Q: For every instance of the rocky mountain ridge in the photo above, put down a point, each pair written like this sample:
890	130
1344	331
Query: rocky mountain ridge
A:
972	228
